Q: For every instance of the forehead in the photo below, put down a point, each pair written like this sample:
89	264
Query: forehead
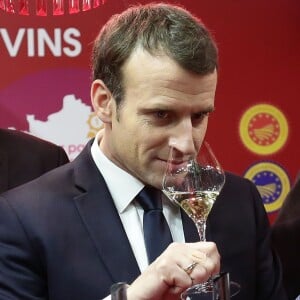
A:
149	76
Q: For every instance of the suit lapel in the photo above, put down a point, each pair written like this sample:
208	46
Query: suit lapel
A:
102	221
189	228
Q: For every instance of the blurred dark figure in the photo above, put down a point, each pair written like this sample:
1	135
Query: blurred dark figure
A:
286	239
24	157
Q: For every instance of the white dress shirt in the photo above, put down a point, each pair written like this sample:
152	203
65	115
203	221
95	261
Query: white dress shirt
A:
124	188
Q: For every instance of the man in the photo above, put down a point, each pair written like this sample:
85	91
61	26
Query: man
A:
24	157
78	230
286	240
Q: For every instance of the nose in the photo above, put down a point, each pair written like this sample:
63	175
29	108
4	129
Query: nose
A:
184	145
186	139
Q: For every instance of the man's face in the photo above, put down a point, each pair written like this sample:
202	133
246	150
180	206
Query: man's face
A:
163	105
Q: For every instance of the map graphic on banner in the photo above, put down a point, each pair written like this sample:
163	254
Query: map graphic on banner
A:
73	137
53	105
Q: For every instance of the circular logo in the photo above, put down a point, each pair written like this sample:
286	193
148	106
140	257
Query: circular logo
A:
263	129
272	183
95	124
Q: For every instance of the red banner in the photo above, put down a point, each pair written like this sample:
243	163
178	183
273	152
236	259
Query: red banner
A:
44	88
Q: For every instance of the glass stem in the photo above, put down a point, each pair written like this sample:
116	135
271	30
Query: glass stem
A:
201	227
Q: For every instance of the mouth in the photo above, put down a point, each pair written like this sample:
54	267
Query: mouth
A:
178	166
174	162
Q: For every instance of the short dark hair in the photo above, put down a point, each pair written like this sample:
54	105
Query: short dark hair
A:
157	28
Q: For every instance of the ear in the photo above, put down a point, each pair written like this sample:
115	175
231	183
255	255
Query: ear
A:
102	100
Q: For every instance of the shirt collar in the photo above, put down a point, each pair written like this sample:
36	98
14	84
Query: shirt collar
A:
122	186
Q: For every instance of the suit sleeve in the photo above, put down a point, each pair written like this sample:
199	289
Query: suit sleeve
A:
285	238
268	264
20	267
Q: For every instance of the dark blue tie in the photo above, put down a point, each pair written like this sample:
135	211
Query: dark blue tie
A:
157	233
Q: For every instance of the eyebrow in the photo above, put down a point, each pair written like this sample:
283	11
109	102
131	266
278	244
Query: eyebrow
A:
209	109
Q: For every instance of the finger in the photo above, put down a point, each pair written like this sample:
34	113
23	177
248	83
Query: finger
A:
190	254
170	269
199	256
206	247
206	269
207	252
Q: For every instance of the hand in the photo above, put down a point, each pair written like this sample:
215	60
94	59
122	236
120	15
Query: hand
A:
180	266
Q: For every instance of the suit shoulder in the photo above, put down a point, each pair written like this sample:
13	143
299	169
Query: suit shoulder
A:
46	185
11	137
15	142
237	186
233	178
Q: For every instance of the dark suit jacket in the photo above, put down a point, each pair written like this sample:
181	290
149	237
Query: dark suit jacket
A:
286	239
24	157
61	238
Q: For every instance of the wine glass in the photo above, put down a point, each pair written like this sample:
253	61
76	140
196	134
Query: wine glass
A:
193	183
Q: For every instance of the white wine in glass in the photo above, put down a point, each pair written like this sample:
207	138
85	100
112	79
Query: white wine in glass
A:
193	183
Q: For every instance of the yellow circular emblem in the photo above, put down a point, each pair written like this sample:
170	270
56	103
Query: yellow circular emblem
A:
94	123
272	183
263	129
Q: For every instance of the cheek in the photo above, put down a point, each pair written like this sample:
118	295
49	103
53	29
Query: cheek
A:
201	130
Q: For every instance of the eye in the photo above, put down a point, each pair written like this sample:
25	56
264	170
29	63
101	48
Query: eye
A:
200	116
161	114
